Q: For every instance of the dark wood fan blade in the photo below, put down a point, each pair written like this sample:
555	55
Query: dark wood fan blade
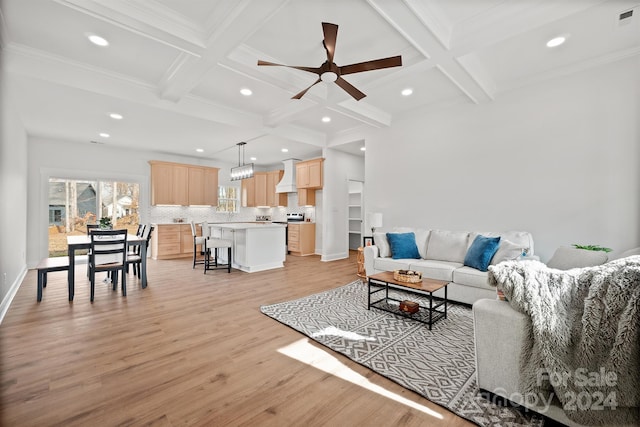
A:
350	89
315	70
377	64
300	94
330	35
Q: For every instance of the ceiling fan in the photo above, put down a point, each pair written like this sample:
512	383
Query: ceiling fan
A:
330	72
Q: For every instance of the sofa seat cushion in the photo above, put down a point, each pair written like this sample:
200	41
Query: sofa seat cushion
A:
471	277
390	264
432	269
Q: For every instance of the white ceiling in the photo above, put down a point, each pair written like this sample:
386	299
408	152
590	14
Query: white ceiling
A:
174	68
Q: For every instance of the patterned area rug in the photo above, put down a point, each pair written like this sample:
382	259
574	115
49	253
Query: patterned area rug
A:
437	364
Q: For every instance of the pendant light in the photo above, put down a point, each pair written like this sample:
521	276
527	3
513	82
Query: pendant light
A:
241	171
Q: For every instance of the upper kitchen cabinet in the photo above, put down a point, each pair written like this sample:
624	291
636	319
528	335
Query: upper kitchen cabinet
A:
260	190
248	192
178	184
309	174
203	186
273	198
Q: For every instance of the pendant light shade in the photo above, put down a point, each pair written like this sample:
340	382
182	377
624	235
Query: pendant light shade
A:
241	171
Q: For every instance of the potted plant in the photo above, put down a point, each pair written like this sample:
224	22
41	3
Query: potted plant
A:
592	248
105	223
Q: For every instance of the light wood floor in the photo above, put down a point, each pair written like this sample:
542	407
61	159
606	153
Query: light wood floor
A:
191	349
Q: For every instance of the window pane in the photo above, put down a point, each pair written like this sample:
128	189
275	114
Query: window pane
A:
75	203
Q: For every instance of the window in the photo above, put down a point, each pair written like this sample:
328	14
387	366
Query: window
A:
75	203
227	199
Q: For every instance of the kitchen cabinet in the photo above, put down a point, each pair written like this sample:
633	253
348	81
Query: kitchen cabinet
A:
203	186
178	184
273	198
261	190
301	238
169	184
248	192
256	247
306	197
309	174
171	241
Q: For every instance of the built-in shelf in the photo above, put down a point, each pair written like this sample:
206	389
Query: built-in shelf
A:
355	214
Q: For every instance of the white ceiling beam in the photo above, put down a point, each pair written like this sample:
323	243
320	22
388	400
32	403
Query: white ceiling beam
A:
241	23
147	18
410	20
21	60
297	133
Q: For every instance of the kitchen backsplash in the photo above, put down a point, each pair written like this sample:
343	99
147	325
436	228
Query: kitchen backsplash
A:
167	214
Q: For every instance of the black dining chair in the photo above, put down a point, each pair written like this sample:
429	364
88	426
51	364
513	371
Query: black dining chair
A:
108	253
134	258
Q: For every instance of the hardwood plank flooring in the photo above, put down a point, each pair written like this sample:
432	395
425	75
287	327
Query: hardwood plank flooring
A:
190	350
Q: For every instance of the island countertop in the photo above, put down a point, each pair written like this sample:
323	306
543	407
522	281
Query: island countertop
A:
246	225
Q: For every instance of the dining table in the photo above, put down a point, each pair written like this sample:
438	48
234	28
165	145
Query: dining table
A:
75	243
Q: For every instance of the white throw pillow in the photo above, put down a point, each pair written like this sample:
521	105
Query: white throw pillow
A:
380	240
447	245
507	251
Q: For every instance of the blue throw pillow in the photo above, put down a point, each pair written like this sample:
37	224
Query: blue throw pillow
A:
403	245
481	251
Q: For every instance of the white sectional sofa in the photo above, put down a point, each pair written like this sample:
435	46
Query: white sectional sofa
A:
442	254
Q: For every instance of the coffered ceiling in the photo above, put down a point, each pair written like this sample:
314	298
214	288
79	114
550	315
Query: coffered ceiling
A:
174	68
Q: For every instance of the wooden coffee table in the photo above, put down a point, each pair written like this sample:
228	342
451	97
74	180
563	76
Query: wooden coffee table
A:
426	314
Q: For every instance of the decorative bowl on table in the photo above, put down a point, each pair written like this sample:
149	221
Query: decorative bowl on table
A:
407	276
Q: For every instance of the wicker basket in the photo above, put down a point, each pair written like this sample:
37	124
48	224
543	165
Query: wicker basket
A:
407	276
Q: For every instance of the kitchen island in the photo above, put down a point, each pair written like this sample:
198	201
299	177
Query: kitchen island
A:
256	246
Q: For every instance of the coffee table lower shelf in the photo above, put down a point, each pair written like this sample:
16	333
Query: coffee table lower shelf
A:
436	310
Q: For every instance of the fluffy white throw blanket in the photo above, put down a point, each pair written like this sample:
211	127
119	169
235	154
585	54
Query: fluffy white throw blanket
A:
585	336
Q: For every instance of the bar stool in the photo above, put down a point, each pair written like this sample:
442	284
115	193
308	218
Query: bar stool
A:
199	240
215	244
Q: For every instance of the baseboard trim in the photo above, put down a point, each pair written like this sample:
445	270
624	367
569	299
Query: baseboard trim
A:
6	302
334	257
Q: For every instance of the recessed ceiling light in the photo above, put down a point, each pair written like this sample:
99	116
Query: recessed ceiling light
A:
246	92
406	92
326	119
285	150
115	116
253	159
97	40
556	41
104	135
363	148
199	150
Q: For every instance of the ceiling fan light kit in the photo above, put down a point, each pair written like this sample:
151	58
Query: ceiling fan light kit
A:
330	72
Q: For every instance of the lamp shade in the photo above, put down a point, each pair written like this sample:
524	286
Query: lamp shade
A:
375	220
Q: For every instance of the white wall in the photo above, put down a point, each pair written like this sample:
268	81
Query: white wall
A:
559	159
339	168
13	199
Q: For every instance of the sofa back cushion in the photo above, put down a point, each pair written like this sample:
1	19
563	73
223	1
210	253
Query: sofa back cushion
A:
448	245
403	245
507	251
565	258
